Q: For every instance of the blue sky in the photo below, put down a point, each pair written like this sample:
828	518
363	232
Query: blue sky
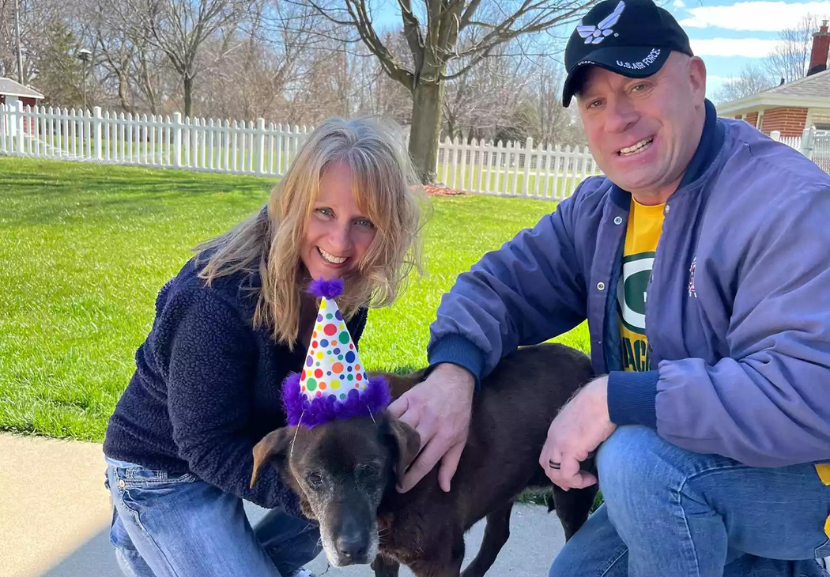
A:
727	34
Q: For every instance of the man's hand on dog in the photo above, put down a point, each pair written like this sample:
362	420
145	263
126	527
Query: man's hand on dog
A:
439	410
576	431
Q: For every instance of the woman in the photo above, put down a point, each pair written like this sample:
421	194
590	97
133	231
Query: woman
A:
228	328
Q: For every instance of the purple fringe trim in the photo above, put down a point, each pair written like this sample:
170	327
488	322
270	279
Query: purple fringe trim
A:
323	288
321	410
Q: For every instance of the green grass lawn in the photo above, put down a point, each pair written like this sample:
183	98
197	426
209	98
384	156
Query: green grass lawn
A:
85	248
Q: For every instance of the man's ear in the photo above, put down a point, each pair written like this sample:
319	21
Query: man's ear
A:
272	445
407	441
697	76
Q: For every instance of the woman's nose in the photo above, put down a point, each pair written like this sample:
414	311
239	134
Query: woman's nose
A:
340	238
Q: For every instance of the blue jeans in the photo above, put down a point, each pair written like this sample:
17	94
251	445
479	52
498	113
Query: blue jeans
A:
181	526
672	513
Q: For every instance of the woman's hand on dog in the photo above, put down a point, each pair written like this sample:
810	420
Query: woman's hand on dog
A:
439	410
577	431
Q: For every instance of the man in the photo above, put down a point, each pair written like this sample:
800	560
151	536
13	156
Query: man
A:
701	263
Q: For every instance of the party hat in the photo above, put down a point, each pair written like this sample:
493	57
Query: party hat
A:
333	383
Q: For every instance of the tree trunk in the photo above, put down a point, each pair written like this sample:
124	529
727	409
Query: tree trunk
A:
426	129
188	95
123	81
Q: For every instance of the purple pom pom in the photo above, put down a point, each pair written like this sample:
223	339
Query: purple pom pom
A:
321	410
329	289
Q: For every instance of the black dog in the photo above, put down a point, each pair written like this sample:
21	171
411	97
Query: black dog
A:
345	472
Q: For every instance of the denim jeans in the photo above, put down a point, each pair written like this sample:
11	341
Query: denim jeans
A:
670	512
180	526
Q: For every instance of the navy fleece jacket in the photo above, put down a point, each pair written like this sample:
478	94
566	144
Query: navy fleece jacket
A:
206	388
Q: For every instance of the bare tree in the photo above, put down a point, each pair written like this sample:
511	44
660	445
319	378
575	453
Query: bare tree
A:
477	103
791	55
555	123
35	18
433	30
252	68
180	28
752	80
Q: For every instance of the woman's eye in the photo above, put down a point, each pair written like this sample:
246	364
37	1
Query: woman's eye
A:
324	211
365	222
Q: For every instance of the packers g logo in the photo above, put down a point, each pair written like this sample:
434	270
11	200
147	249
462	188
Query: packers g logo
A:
636	272
632	292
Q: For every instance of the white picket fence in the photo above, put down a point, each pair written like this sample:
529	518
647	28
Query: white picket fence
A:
505	169
160	141
812	144
510	169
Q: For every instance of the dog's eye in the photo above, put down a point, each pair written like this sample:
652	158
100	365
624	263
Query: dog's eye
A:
314	480
368	472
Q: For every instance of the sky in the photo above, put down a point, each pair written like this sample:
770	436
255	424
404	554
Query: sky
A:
727	34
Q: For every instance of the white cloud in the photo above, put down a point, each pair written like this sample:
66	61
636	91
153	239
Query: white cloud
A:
715	79
749	47
761	16
679	4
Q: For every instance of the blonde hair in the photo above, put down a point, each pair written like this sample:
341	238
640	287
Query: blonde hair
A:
268	243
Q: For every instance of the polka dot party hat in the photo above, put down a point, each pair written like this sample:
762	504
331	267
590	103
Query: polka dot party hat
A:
333	383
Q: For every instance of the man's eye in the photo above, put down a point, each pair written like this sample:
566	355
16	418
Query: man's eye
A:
314	480
594	103
638	87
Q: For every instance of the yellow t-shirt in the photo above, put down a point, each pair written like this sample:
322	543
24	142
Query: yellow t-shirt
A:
824	473
645	223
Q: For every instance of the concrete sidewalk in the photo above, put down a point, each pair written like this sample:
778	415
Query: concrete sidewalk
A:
55	515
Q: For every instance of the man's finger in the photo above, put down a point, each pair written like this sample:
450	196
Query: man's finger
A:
580	481
569	466
562	476
433	451
585	480
449	464
398	407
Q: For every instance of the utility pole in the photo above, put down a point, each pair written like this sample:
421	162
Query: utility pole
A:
17	35
84	56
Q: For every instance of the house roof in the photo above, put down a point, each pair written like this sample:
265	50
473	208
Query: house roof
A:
11	88
809	92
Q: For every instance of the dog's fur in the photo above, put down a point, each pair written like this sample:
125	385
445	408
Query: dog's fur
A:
345	472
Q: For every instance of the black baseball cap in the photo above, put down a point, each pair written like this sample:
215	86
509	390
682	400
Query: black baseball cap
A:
630	37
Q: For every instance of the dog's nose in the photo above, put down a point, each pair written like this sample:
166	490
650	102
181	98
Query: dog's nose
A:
352	547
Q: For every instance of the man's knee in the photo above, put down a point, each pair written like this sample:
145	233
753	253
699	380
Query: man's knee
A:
633	468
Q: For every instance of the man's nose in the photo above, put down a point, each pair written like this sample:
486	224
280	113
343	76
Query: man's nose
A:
620	115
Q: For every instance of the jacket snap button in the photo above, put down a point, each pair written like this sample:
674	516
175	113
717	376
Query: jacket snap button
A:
601	286
617	220
666	211
122	483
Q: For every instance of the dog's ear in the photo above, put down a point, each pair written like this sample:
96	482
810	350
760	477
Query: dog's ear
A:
408	442
272	445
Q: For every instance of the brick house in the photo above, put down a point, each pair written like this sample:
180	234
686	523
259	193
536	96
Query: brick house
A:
792	107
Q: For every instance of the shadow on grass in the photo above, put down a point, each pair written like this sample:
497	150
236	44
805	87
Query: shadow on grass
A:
35	194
